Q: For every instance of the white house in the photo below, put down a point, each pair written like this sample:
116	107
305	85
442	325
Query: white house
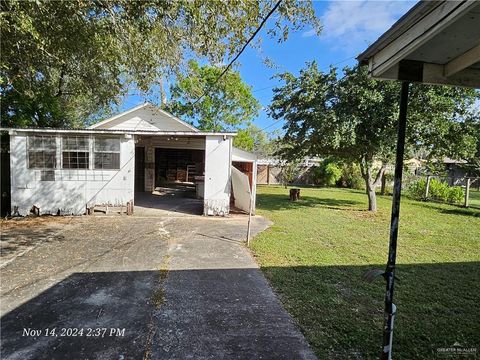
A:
69	170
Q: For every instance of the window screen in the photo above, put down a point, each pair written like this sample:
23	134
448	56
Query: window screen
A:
75	152
106	153
47	175
42	151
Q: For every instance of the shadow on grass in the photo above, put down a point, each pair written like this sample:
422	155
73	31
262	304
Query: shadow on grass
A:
342	315
448	209
282	202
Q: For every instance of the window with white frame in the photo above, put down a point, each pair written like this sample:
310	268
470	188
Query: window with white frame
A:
75	152
42	152
106	153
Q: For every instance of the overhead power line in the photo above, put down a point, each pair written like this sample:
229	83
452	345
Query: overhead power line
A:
241	51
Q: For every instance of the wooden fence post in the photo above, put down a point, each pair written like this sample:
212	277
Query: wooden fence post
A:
467	192
427	187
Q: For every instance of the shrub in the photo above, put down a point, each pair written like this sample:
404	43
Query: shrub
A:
417	188
455	195
351	177
327	174
438	191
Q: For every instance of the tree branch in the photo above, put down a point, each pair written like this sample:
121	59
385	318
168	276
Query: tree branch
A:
378	178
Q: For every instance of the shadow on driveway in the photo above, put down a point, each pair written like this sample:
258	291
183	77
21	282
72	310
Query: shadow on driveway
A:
104	300
220	313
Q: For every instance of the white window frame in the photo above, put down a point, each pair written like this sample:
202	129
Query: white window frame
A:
65	149
43	148
109	151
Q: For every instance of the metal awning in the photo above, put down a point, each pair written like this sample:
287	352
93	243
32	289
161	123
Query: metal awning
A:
436	42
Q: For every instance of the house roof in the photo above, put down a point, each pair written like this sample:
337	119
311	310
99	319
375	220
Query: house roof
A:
436	42
243	155
144	117
117	132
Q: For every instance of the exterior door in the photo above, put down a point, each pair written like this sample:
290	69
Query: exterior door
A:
139	168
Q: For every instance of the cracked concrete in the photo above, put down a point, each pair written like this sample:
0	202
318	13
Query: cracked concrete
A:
181	286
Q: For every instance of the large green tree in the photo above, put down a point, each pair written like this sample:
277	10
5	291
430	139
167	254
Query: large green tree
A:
254	139
214	105
61	61
354	118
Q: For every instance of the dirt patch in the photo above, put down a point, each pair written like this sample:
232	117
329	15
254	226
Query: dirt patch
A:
21	235
31	221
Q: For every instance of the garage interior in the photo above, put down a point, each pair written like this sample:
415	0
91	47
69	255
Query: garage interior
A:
169	173
174	166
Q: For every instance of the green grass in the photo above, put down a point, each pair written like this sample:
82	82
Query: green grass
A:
474	199
318	248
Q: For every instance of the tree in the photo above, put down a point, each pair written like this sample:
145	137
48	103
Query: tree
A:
354	118
226	104
62	61
472	167
327	173
254	139
289	171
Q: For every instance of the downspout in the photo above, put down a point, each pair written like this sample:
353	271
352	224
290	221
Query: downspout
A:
390	308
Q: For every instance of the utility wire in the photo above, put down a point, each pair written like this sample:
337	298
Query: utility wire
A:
241	51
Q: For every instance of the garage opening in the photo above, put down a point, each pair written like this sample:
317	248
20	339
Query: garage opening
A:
169	173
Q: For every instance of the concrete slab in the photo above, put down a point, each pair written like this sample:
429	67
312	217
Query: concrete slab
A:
218	304
95	273
181	287
169	201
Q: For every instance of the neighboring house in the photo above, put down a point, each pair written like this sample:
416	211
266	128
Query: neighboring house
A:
454	168
69	170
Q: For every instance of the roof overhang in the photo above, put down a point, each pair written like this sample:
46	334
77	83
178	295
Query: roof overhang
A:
148	105
436	42
117	132
243	155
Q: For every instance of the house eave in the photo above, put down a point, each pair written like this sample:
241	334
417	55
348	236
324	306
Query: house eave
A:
117	132
132	110
436	42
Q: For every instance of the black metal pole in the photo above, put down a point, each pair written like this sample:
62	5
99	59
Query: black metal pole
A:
392	249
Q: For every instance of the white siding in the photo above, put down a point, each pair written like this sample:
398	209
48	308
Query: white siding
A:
218	155
73	189
146	118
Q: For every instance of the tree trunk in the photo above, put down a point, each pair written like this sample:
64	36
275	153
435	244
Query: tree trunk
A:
163	94
366	168
372	198
384	184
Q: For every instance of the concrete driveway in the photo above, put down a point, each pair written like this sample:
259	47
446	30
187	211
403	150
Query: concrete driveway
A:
140	287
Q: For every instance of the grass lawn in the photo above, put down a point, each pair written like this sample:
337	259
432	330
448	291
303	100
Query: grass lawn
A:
318	248
474	200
